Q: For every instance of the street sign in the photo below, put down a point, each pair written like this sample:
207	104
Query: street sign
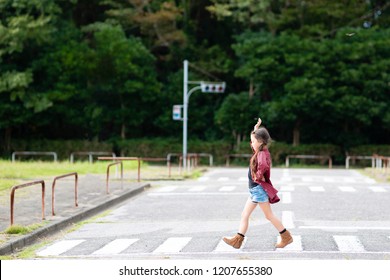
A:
176	112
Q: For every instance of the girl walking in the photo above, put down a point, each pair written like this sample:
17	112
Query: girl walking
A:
261	191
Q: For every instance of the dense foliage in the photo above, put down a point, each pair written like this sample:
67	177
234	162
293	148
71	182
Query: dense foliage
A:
316	71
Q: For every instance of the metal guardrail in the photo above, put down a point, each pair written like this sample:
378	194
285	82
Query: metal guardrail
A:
236	156
348	158
33	153
53	188
308	157
108	174
90	155
381	162
194	157
138	159
14	188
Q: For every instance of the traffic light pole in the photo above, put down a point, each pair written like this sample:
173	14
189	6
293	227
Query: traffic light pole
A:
185	112
186	98
205	87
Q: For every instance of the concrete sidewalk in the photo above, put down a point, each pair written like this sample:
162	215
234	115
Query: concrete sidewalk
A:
92	199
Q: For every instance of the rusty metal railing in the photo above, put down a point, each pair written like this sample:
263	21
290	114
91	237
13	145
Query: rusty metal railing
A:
138	159
108	174
14	188
53	188
90	155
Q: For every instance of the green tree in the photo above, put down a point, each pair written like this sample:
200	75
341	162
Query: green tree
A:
237	115
122	82
25	26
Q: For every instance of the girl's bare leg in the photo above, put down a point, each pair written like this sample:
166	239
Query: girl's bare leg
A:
246	213
269	215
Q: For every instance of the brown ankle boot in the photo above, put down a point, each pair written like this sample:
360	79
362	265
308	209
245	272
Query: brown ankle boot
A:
286	239
235	241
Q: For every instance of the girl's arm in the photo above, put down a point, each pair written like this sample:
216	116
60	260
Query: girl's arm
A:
257	124
262	165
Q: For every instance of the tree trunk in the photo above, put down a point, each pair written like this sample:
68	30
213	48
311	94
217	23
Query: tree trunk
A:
296	133
7	139
251	89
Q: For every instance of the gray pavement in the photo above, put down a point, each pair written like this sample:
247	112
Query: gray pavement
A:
91	196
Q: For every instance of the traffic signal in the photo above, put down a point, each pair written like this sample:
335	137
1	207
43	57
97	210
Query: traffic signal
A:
212	86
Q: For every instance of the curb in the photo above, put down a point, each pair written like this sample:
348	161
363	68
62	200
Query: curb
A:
26	240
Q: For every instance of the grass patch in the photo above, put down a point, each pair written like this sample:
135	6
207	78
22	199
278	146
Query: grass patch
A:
26	170
18	229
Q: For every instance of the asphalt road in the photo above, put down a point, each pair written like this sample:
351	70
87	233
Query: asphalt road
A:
332	214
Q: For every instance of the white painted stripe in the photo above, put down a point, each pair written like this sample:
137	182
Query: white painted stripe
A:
378	189
337	228
203	179
243	179
166	189
198	193
286	197
317	189
287	219
286	179
348	243
350	180
172	245
369	181
329	180
223	247
197	189
296	245
287	188
223	179
115	247
307	179
60	247
347	189
227	188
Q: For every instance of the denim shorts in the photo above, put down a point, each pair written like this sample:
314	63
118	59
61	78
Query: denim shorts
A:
258	194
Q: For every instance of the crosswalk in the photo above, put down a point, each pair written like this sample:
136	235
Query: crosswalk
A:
180	246
286	189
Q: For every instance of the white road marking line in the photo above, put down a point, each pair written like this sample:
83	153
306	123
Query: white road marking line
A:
223	179
166	189
369	181
203	179
198	193
223	247
60	247
307	179
286	197
337	228
172	245
197	189
348	243
378	189
227	188
287	219
295	246
287	188
317	189
243	179
115	247
286	179
329	180
347	189
349	180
